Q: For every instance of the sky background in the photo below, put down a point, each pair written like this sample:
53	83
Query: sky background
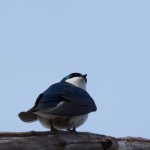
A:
41	41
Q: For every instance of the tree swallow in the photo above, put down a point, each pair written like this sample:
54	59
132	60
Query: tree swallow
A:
64	105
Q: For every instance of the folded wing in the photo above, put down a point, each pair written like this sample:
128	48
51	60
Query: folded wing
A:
74	101
61	99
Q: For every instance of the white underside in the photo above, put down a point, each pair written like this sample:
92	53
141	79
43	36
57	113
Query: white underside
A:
63	122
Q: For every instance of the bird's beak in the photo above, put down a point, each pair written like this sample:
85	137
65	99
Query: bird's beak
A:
84	76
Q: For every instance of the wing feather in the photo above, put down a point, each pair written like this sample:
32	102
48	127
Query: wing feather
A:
72	101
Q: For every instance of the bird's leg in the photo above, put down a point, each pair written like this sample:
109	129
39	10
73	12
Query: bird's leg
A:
73	130
52	128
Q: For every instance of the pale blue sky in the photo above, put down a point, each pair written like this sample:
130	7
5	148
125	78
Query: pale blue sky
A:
41	41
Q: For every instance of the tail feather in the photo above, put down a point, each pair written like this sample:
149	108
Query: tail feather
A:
27	116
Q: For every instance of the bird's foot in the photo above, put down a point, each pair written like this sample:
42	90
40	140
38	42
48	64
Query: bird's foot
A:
53	129
73	130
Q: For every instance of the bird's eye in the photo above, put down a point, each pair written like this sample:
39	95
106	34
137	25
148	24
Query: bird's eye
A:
75	75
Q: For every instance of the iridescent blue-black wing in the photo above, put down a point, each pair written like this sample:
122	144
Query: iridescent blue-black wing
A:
72	101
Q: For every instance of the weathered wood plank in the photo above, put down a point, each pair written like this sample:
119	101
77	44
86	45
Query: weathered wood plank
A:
63	140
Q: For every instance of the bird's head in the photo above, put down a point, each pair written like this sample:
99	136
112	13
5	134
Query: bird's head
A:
76	79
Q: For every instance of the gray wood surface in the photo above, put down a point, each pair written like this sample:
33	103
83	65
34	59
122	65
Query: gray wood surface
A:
66	140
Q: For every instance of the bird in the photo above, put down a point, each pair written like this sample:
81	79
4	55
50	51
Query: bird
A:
63	106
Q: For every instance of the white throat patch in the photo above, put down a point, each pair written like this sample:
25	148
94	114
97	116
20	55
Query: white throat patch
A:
77	81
